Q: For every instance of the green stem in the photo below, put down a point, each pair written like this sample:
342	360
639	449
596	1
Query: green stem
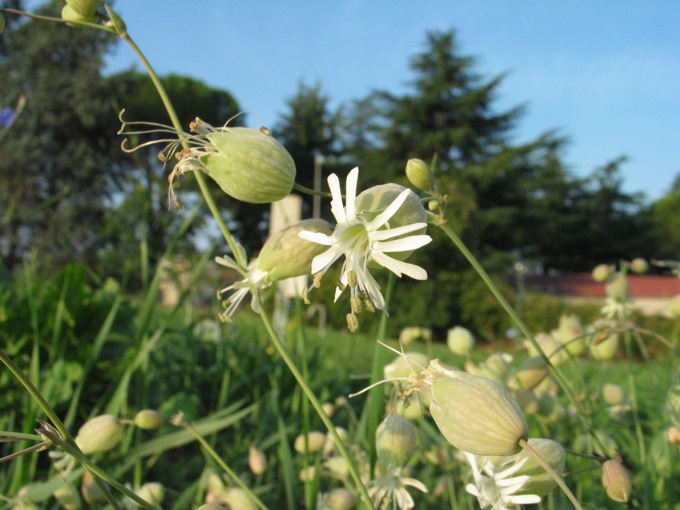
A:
315	404
559	378
558	479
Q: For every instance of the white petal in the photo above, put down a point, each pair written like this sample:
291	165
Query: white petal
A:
525	499
382	218
371	287
337	208
351	193
322	261
317	237
398	267
388	233
403	244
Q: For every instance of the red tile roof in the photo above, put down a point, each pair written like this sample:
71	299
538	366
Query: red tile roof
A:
583	285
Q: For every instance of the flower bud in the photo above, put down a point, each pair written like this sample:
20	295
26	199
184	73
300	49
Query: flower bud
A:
340	499
68	497
496	366
249	165
419	174
69	14
639	266
613	394
99	434
602	272
328	408
148	419
85	8
285	254
152	492
395	441
529	374
257	460
616	481
313	442
540	482
307	474
570	334
550	347
460	340
617	287
412	334
475	414
237	498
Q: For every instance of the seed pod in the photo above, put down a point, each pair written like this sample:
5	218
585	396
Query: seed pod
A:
460	340
613	394
249	165
570	334
91	491
68	497
237	498
475	414
616	481
100	434
419	174
395	441
148	419
639	266
68	14
603	344
285	254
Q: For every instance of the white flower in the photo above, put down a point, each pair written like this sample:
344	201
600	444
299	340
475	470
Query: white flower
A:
391	488
363	241
495	486
255	280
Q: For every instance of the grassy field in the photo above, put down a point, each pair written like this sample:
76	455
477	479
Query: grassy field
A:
90	352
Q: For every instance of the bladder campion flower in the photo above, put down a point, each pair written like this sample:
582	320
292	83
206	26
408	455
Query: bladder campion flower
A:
284	255
248	164
368	228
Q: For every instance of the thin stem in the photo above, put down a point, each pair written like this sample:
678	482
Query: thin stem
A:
205	191
315	404
210	450
558	479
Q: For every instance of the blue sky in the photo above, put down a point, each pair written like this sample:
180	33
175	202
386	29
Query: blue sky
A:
605	74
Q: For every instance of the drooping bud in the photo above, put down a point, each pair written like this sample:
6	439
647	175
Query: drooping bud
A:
460	340
85	8
151	492
100	434
312	442
285	254
639	266
148	419
529	374
395	441
616	481
419	174
475	414
91	491
248	165
602	272
257	460
540	482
